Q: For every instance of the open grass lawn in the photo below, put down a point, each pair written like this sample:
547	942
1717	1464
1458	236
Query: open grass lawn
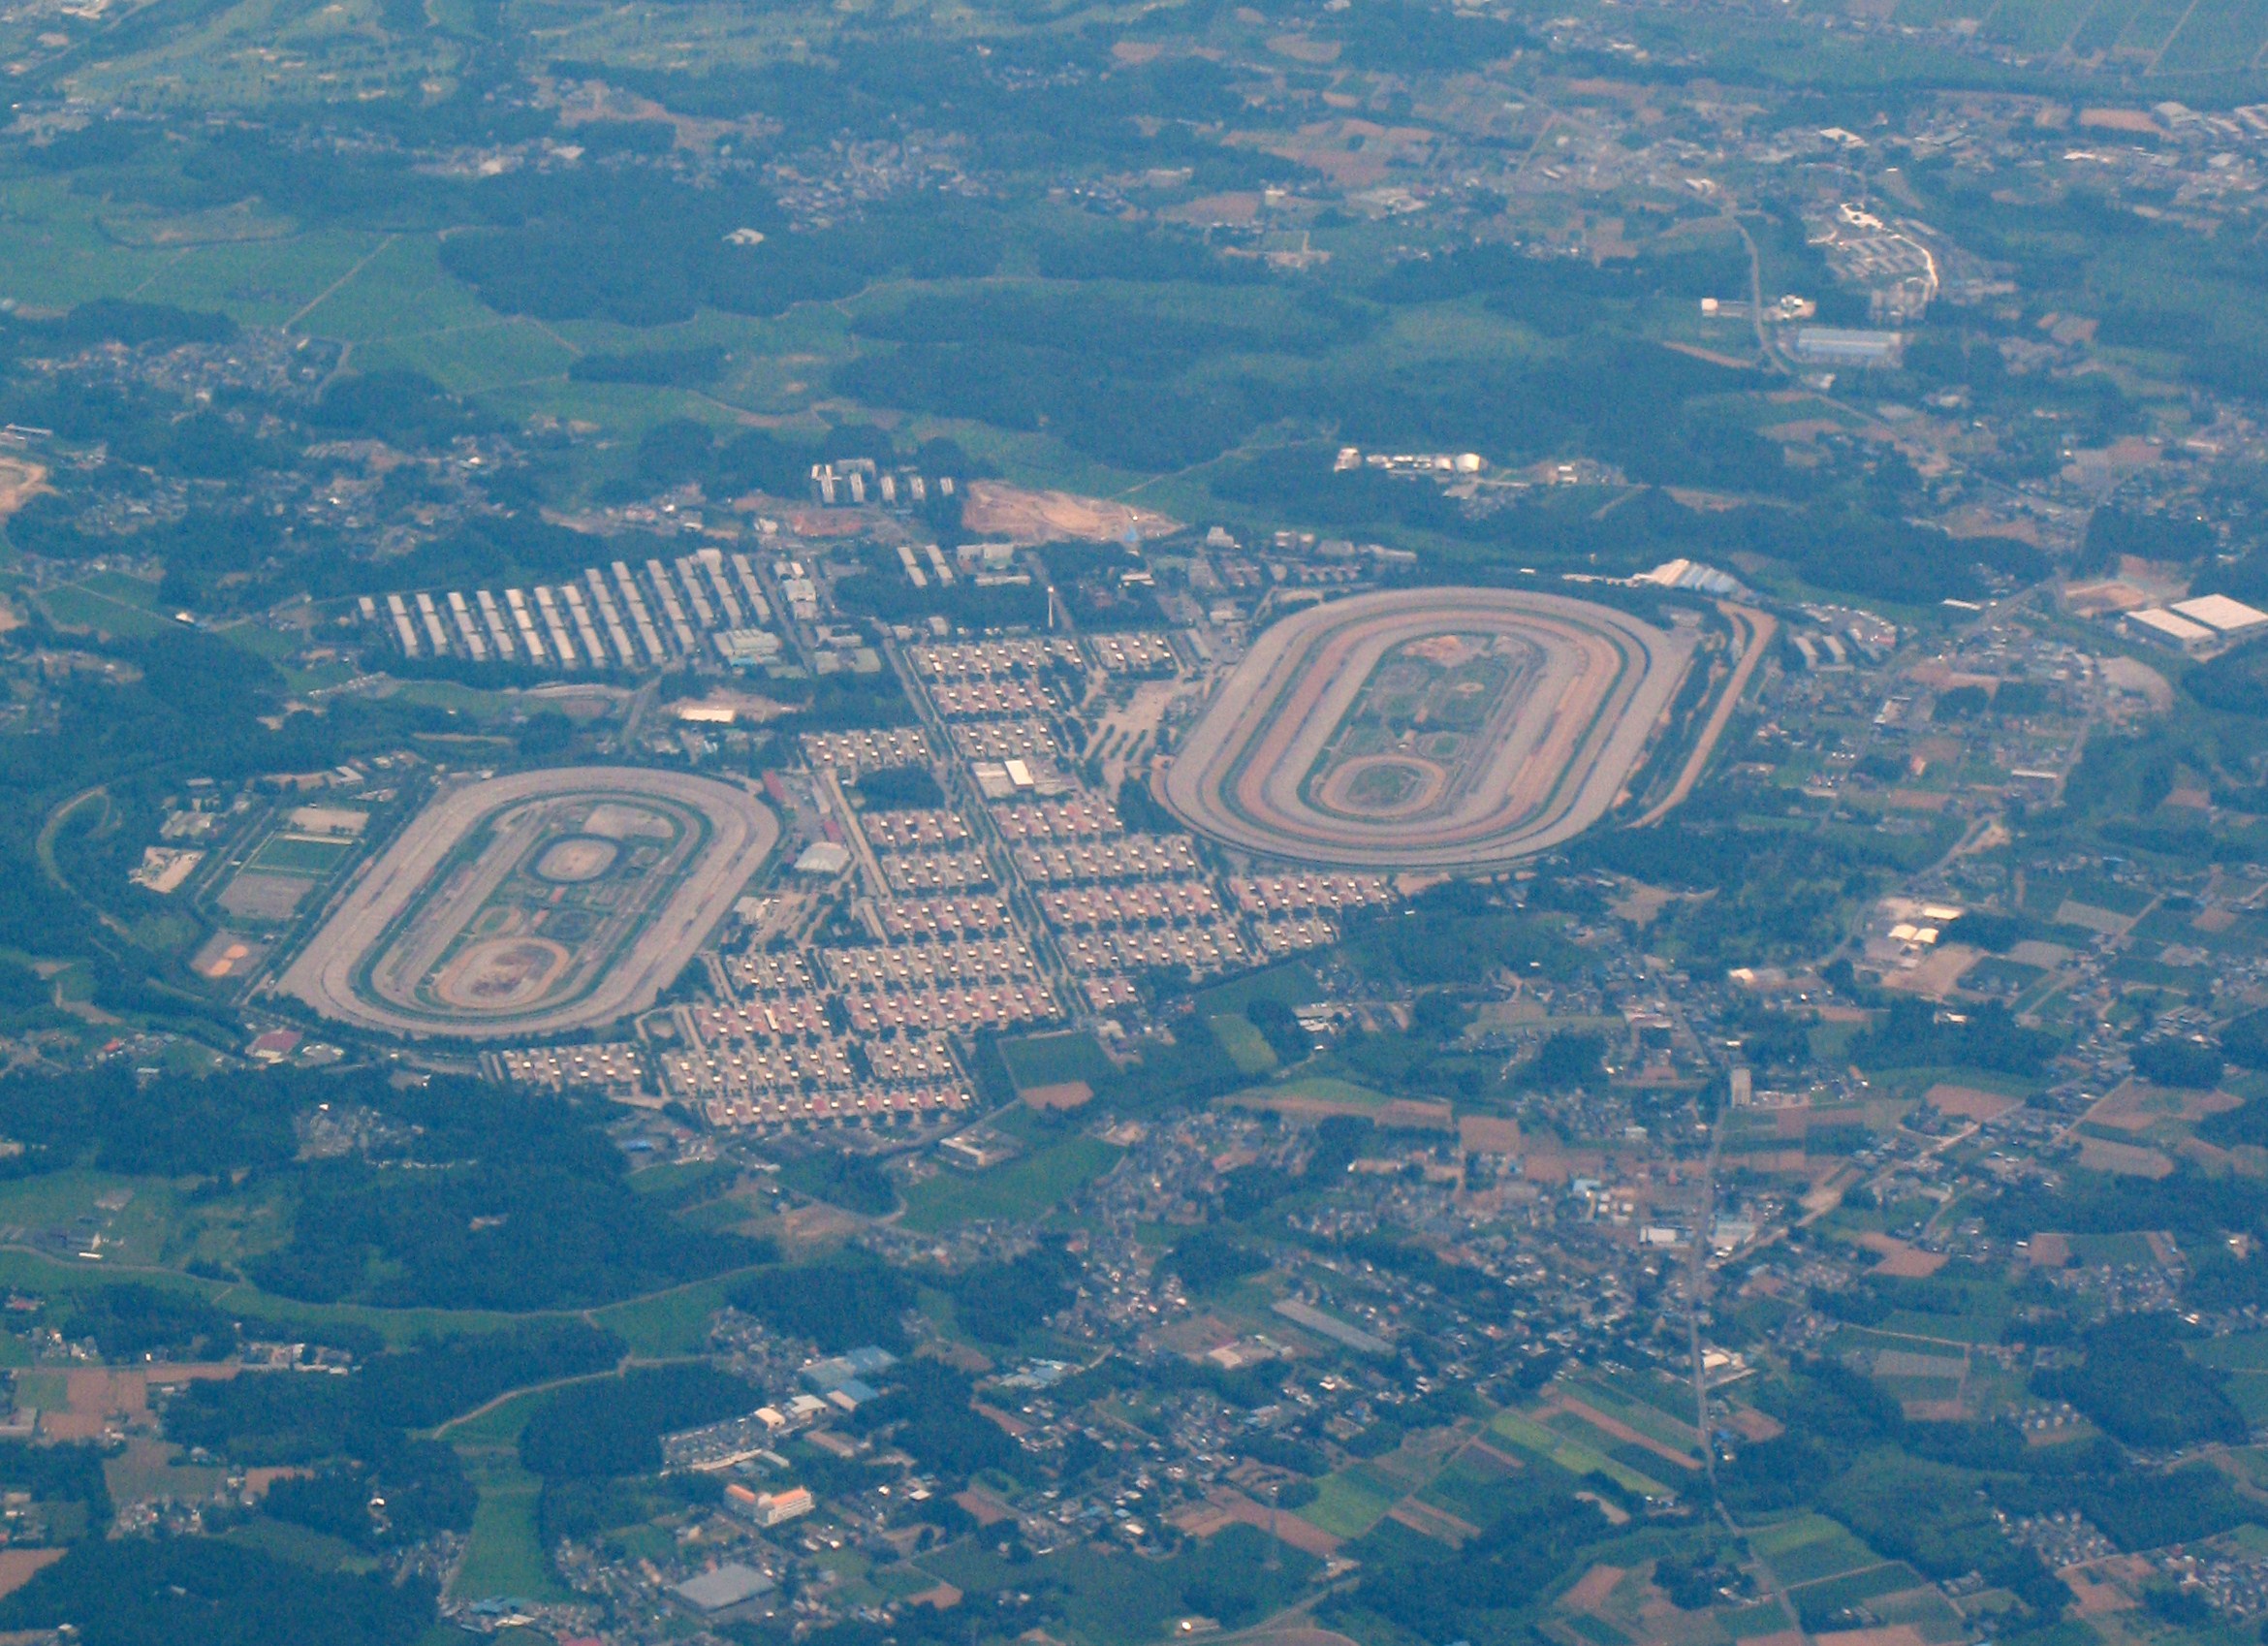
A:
1020	1190
1795	1533
392	287
505	1557
1055	1059
256	279
1245	1046
1980	1328
1111	1599
2248	1391
289	854
1293	983
489	353
2239	1352
301	1545
1315	1093
668	1322
1829	1556
56	253
78	606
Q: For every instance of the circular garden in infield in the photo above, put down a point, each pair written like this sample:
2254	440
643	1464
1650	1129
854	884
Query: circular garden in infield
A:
1427	729
536	904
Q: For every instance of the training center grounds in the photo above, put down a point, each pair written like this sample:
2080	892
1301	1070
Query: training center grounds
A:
536	904
1427	729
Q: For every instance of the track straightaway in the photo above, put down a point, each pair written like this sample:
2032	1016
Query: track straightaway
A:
1427	729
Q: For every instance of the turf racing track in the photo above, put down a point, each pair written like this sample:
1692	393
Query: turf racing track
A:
1427	729
535	903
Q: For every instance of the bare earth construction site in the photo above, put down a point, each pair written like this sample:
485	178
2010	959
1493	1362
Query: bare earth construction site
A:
536	904
1427	729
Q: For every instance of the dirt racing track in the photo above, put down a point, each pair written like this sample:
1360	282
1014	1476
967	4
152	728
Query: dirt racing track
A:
1427	729
536	904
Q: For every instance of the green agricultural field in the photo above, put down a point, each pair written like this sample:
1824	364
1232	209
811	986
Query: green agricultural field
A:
267	280
1649	1419
1022	1188
1572	1455
390	287
1824	1557
1348	1504
56	252
1468	1488
480	356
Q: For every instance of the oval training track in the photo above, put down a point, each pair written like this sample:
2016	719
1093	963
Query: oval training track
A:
422	903
1586	686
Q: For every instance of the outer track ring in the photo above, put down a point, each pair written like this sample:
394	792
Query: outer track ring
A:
1548	766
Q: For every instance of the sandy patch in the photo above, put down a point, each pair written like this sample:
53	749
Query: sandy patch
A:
2126	1159
2049	1250
829	522
1487	1134
1594	1587
2120	120
1707	501
1900	1259
1969	1103
1240	209
94	1395
2094	1596
999	510
1427	1521
1939	972
2136	1105
1754	1425
1915	800
1892	1634
817	1222
19	483
2131	674
1064	1094
19	1567
1302	1535
1408	1112
983	1508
